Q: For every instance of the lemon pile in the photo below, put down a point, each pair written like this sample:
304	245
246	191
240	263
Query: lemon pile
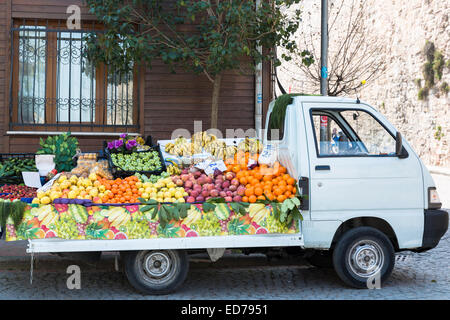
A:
165	190
73	188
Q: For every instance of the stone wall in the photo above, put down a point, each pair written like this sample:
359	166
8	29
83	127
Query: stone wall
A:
402	27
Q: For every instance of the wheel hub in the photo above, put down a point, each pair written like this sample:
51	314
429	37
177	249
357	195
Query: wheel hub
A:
157	264
366	258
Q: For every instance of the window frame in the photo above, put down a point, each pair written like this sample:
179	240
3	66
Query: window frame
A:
52	29
339	110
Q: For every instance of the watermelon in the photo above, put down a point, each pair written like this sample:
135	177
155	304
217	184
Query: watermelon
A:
79	213
222	211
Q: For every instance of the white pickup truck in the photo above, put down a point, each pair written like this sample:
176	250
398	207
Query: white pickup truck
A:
366	195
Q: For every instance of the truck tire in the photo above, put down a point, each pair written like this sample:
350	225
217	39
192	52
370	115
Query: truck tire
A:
321	259
156	272
364	257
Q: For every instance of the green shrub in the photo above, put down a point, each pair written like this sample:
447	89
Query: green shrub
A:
428	74
422	94
428	50
418	83
438	64
444	87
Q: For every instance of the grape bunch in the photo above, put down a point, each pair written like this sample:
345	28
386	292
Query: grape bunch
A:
66	228
208	225
224	224
137	161
11	230
138	230
153	227
81	227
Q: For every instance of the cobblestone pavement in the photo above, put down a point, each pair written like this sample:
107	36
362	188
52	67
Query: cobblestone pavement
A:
416	276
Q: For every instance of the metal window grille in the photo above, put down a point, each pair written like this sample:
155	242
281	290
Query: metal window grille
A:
54	86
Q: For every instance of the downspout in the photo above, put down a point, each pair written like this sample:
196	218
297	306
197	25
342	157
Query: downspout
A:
258	90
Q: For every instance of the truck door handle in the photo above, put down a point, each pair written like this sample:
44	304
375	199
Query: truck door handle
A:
322	168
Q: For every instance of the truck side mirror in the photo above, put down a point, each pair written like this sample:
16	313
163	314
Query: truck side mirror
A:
400	151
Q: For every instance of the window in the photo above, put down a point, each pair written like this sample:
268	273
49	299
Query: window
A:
350	133
55	87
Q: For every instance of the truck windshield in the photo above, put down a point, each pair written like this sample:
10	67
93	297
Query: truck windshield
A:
350	132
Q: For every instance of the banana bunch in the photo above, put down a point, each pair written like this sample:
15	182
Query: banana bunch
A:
258	211
216	148
251	145
173	170
46	215
118	216
193	215
183	150
203	138
180	140
230	151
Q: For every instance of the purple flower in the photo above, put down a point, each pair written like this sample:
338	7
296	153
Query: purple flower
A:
131	144
123	135
118	144
110	145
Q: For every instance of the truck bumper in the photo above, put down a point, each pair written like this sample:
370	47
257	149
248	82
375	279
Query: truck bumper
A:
436	225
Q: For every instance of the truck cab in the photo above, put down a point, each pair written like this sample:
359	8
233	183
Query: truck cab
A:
366	193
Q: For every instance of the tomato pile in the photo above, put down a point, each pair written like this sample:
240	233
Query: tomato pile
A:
17	192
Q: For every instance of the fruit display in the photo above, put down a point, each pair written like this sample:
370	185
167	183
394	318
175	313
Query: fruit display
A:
148	199
17	192
71	186
87	166
265	183
251	145
183	148
164	190
201	142
137	161
201	187
173	170
153	178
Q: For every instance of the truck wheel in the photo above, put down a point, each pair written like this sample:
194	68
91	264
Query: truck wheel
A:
363	257
321	259
156	271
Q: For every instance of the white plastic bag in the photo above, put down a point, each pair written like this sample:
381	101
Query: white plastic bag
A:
269	154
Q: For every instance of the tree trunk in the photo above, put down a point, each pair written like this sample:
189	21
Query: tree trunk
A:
215	100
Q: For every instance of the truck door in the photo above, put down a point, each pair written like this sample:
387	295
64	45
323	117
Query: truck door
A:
354	171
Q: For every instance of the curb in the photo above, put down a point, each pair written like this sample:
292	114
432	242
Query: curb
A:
439	170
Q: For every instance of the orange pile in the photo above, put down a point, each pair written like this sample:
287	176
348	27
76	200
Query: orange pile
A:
121	190
263	182
241	158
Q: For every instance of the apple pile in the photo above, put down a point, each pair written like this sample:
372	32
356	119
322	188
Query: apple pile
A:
17	192
201	187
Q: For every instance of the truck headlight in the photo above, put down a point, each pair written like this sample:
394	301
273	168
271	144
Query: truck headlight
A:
433	199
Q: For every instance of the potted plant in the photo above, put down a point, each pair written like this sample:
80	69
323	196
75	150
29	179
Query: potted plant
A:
60	149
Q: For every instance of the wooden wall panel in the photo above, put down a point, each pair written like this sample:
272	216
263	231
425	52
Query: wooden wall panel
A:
174	101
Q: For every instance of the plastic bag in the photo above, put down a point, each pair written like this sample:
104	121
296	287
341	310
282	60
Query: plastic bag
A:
102	169
84	167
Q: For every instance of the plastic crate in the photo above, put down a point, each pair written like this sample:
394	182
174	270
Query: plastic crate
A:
5	156
118	173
